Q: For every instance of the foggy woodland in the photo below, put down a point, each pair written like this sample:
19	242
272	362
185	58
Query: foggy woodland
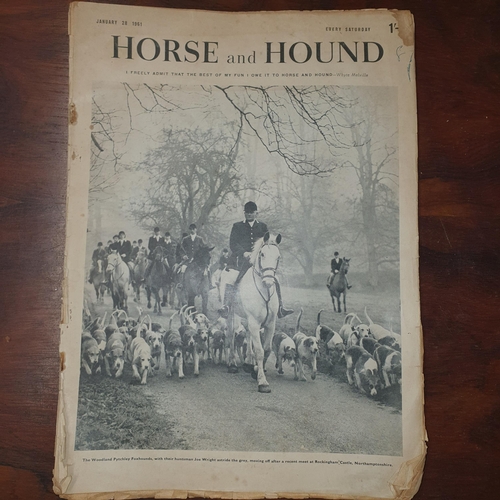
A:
320	161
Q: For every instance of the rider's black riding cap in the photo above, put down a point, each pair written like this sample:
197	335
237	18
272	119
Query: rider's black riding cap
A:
250	207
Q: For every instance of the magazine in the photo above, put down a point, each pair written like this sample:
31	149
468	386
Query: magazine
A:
241	304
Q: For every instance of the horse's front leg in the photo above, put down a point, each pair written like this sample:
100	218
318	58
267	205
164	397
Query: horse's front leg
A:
345	308
258	350
204	302
268	338
158	302
196	360
333	302
232	367
125	300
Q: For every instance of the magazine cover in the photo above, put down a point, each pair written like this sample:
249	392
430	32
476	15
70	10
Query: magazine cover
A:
241	305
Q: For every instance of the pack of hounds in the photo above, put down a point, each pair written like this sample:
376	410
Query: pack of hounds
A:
370	352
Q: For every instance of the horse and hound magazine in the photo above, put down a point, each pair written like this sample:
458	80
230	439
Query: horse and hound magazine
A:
241	314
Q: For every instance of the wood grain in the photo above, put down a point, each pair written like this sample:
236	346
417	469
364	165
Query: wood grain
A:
458	75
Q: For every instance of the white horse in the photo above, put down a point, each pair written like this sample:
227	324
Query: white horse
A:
256	299
120	278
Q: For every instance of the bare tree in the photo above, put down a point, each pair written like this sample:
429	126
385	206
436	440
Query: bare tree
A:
191	174
291	121
303	210
105	158
375	165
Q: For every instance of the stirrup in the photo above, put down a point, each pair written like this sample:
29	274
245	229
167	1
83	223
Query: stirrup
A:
282	312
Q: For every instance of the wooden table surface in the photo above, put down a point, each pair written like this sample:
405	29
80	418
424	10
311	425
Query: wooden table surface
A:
458	75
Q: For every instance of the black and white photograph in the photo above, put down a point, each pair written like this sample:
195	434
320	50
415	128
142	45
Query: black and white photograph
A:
242	288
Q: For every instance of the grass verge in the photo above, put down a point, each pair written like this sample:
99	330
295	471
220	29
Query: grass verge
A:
114	415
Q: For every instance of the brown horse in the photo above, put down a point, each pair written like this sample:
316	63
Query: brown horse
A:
338	286
141	262
157	278
98	279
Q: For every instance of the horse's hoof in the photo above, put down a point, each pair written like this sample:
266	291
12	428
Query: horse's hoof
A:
264	389
232	369
247	368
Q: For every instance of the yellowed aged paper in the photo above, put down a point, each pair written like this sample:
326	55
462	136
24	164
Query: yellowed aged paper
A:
183	117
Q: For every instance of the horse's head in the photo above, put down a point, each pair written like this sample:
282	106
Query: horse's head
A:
99	265
344	267
202	256
265	258
158	253
113	260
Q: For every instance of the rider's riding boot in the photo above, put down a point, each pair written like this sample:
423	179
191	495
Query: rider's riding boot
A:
347	283
282	312
329	280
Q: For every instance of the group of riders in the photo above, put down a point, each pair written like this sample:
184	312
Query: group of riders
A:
233	262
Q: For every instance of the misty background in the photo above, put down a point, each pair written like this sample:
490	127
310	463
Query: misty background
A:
321	162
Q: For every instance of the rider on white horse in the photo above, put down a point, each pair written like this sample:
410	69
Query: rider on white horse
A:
243	236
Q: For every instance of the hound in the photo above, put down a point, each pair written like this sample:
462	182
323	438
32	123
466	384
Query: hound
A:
217	345
140	356
334	343
114	358
362	370
174	357
378	331
241	343
368	344
190	347
284	350
90	354
347	328
307	351
155	340
389	365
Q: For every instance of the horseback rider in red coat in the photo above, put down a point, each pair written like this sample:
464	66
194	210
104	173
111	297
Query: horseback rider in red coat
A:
243	236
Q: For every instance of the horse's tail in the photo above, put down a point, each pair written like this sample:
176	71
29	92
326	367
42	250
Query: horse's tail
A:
181	314
350	317
368	317
319	316
298	320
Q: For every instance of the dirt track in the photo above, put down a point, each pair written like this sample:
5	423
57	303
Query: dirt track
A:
221	411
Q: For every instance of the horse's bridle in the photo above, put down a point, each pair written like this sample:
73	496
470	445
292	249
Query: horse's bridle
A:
261	272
